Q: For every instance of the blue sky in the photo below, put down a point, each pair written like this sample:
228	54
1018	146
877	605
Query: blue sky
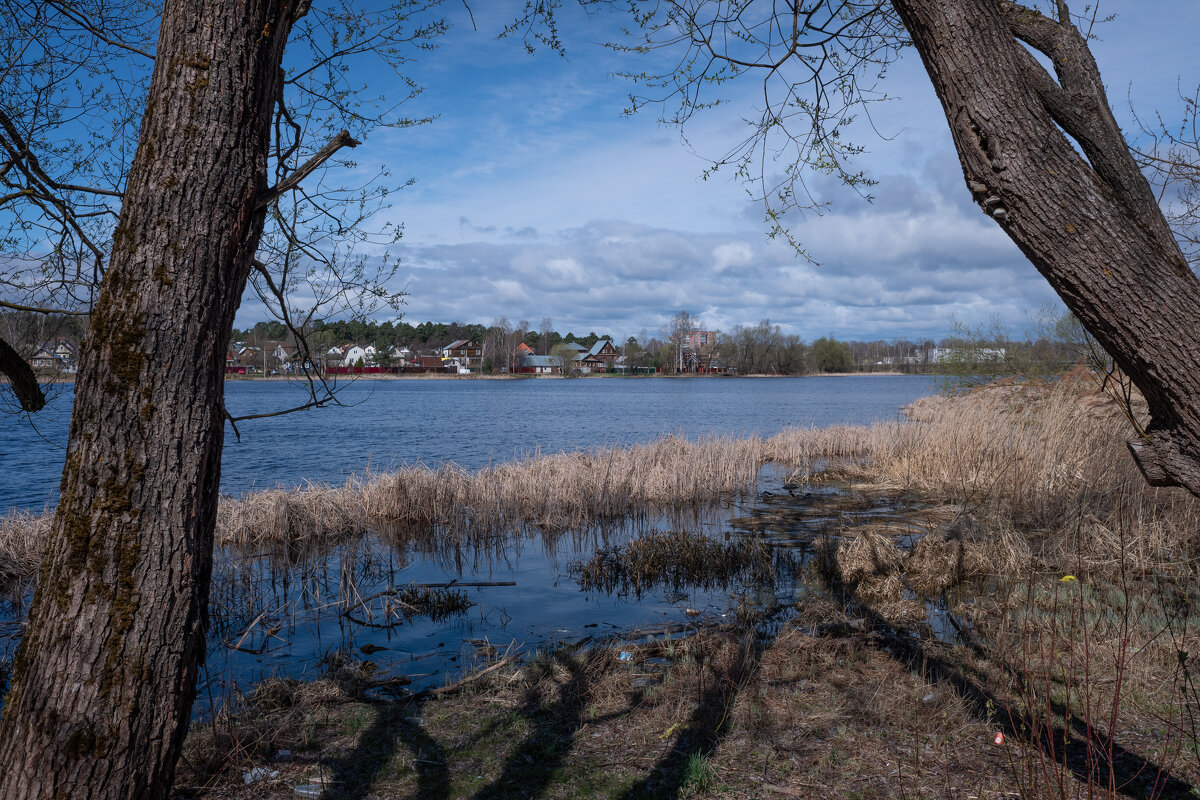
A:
536	197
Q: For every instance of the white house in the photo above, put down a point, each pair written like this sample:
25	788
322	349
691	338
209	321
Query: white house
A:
353	354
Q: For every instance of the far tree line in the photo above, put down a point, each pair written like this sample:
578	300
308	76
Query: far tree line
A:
765	348
1054	344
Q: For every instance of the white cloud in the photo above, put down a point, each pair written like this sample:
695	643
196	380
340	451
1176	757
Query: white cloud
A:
733	254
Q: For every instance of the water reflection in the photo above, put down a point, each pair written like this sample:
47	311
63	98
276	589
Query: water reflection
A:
421	604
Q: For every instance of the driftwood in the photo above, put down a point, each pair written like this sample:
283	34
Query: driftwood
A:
442	691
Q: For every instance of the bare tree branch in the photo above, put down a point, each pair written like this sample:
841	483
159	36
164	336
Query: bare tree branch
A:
42	310
343	139
24	382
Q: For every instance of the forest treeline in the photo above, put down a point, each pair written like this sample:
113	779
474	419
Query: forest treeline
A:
1051	344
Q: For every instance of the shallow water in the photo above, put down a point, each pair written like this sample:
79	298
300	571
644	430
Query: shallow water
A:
274	616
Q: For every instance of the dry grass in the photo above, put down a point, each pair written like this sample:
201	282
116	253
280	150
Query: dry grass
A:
1039	473
725	715
551	492
22	539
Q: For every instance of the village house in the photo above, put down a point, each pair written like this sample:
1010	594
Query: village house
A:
696	351
430	363
466	353
280	357
604	351
531	364
355	356
243	360
600	357
45	360
588	363
57	356
65	350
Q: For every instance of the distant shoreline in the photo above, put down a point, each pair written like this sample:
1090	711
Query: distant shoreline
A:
433	376
442	377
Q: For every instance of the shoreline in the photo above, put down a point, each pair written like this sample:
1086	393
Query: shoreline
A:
505	377
70	379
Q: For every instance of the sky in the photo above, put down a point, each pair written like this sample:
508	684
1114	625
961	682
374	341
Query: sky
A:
535	196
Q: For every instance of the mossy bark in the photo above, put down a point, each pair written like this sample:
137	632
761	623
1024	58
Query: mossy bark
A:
105	676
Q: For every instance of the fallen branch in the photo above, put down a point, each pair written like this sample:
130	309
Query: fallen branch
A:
442	691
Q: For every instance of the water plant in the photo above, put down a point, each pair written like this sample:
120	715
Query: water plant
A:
675	559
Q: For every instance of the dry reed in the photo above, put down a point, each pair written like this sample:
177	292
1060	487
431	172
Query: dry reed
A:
22	539
1036	472
551	492
1039	473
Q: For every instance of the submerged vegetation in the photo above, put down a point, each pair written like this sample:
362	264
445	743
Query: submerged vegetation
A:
675	559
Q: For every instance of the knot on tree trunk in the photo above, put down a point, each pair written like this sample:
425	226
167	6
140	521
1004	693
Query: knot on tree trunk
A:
1166	458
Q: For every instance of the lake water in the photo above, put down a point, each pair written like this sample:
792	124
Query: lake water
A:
470	422
279	616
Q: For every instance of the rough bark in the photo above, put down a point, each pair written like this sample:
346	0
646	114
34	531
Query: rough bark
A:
1090	225
104	679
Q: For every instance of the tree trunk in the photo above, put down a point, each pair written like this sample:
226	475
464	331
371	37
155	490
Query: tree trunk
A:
105	675
1089	224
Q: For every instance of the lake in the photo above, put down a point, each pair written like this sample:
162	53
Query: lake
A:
385	423
274	615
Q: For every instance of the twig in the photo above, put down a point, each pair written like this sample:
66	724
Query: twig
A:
41	310
453	687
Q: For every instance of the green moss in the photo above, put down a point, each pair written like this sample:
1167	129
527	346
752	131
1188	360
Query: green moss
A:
77	526
85	742
121	331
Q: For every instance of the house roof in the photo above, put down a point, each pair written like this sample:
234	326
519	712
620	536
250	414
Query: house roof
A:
598	346
541	361
576	346
461	343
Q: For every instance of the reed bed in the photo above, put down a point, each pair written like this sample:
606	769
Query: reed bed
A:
551	492
1039	472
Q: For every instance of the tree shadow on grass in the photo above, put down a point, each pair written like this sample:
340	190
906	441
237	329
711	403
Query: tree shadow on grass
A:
394	725
1085	753
537	760
707	725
